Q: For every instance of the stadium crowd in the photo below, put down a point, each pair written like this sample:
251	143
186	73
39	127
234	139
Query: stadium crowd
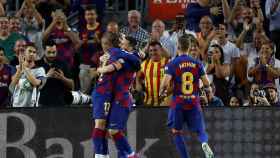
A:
45	62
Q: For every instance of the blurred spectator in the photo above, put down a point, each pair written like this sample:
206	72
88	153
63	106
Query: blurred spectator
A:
28	80
258	39
59	82
134	29
234	102
19	51
7	39
194	50
231	52
219	70
112	27
257	96
15	25
272	95
212	100
178	29
152	71
266	68
196	10
6	72
46	7
246	26
205	36
67	41
90	50
158	28
272	11
32	24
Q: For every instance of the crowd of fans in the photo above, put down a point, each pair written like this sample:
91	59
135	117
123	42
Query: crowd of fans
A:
45	62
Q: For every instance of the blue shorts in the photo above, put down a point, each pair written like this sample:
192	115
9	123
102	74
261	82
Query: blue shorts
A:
118	116
100	109
193	119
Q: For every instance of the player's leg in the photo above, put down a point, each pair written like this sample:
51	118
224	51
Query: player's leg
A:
195	122
117	124
175	123
99	132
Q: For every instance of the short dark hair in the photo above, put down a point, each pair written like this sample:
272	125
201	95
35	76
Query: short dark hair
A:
49	43
2	49
132	41
89	8
221	51
31	44
155	43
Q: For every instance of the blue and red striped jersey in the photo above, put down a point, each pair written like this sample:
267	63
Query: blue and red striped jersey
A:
91	47
124	78
186	72
110	81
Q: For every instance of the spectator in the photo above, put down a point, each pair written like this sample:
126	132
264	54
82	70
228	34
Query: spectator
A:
272	11
258	39
90	50
178	29
19	51
134	29
151	74
47	7
212	100
6	72
158	28
206	34
28	79
67	42
113	27
196	10
32	24
234	102
257	96
266	68
59	83
219	70
15	25
246	27
231	52
272	94
7	39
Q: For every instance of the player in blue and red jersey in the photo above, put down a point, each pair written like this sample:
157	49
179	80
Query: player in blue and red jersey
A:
103	94
122	100
184	72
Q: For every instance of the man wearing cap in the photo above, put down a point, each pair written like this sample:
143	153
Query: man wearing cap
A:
272	94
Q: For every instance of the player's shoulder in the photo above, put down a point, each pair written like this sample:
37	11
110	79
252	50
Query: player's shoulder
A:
115	50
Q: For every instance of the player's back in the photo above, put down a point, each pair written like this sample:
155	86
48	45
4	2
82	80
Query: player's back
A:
186	72
123	79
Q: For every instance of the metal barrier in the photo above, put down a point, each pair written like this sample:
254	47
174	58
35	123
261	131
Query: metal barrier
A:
65	132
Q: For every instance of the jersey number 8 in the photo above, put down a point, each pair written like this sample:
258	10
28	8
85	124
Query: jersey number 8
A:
187	83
